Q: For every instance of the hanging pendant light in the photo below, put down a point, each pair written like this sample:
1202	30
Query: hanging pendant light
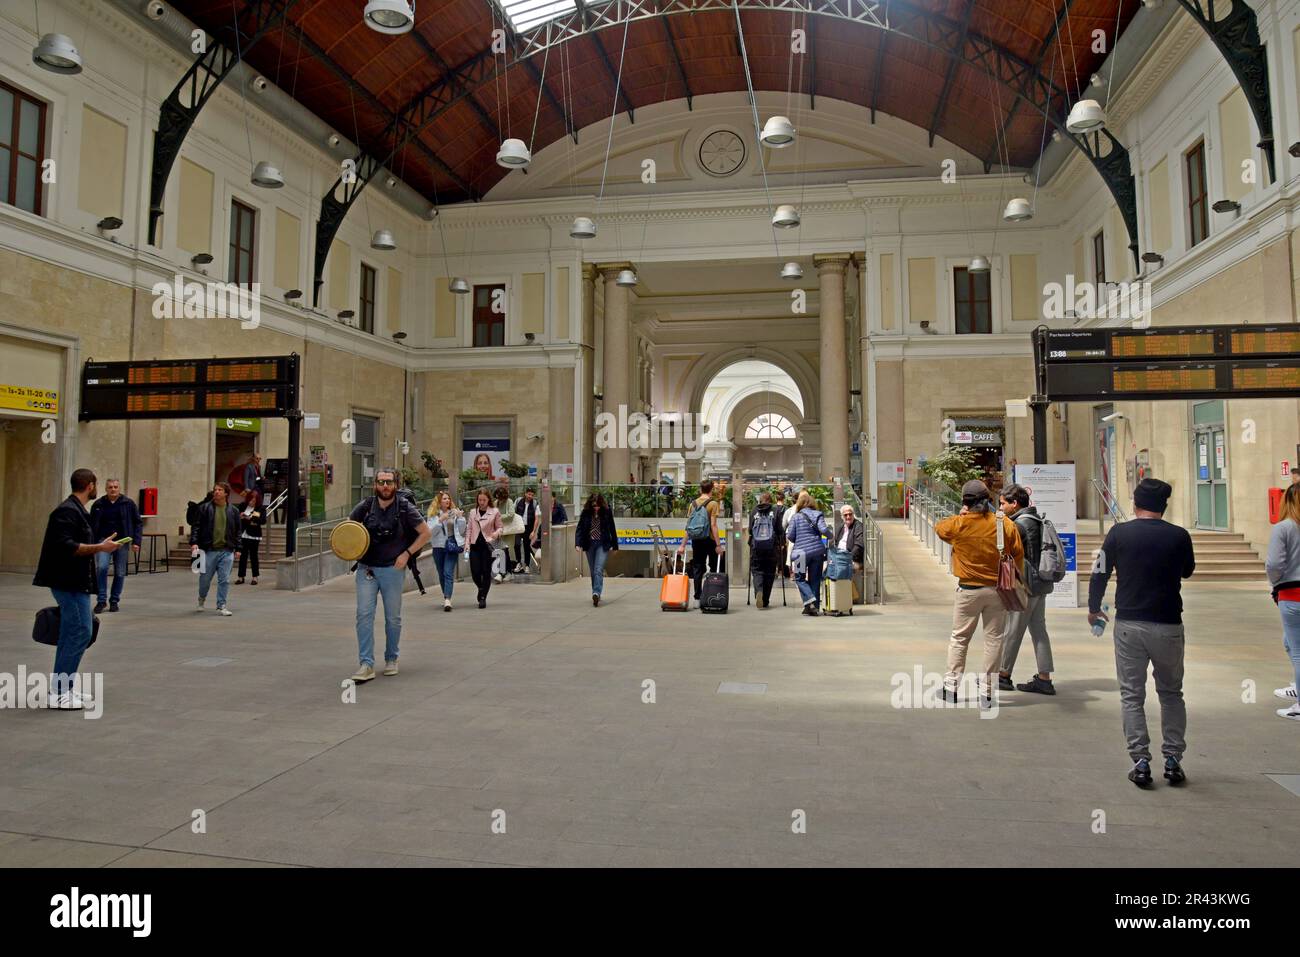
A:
978	264
1086	116
458	286
267	176
625	278
390	16
383	239
792	270
513	154
778	133
1018	210
785	217
582	228
56	53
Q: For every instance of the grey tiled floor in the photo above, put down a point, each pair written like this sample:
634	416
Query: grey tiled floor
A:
534	709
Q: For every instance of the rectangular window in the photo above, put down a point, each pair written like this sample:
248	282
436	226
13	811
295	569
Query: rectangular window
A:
367	299
490	315
1198	201
243	220
1099	256
974	304
22	149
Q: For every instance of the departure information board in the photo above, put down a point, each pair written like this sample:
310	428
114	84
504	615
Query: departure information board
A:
189	388
1186	362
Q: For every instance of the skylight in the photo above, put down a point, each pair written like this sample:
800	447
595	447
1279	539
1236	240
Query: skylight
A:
526	14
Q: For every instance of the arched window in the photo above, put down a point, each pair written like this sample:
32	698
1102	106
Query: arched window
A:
770	426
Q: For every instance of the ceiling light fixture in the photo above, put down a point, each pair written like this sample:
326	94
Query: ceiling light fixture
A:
582	228
266	176
56	53
625	278
1018	210
390	16
347	314
785	217
513	154
792	270
458	286
201	259
778	133
383	239
978	264
1086	116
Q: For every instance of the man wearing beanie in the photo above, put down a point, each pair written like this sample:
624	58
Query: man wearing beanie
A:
1151	558
973	535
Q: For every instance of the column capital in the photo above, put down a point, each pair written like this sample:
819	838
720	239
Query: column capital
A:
611	270
831	262
589	272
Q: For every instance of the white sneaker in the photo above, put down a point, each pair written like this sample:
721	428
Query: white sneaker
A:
498	578
68	701
1286	694
364	673
223	610
200	608
1292	712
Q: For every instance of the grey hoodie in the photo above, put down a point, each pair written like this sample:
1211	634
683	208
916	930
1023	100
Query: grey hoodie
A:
1283	562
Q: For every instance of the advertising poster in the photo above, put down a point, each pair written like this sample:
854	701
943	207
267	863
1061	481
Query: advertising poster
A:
1051	490
484	456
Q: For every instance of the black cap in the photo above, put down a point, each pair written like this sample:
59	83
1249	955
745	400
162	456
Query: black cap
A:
974	489
1152	495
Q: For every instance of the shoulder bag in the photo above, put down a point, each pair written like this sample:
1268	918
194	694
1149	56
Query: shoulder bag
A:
1011	585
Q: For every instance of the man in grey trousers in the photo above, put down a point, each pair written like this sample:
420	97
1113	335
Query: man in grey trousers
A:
1151	557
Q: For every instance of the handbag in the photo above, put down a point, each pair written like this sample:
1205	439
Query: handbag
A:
45	629
840	565
452	546
1011	584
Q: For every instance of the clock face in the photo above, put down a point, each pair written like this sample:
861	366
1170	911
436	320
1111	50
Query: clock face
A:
722	153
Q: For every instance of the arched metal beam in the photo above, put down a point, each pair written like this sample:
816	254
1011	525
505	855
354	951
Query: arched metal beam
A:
177	113
937	32
1237	38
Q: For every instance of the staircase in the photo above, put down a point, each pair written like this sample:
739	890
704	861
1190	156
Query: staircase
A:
271	551
1220	556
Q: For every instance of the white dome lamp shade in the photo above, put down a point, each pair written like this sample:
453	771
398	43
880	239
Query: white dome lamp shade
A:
390	16
625	278
1086	116
1018	210
458	286
778	133
583	228
785	217
383	239
978	264
792	270
513	154
267	176
56	53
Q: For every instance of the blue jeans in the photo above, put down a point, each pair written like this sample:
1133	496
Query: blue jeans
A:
597	555
75	629
119	559
810	583
1291	634
216	563
445	562
388	582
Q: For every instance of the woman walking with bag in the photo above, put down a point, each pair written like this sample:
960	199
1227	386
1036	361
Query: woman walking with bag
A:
447	523
251	521
1283	567
511	526
805	530
483	532
597	537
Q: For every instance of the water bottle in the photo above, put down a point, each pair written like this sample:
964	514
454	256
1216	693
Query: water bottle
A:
1099	627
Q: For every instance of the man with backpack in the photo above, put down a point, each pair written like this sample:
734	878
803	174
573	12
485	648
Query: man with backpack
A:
702	533
1040	570
397	534
764	537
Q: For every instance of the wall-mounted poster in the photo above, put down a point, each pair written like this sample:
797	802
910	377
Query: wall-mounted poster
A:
483	446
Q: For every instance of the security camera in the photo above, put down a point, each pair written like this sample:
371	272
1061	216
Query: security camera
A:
1112	417
260	84
154	9
333	141
406	448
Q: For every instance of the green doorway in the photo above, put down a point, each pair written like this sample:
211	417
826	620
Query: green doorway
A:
1210	465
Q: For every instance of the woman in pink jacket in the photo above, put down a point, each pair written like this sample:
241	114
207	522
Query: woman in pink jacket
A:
482	530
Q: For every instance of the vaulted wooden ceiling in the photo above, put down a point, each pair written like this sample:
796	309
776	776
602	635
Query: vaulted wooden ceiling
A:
357	80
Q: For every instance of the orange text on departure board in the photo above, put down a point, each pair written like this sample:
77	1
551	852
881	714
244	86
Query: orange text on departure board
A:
1282	378
241	401
160	402
1164	380
1171	344
1265	343
243	372
160	375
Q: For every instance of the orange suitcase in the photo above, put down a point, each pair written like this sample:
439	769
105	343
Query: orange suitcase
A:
675	589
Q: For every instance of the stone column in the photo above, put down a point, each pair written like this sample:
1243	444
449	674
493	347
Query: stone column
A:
587	468
834	367
616	463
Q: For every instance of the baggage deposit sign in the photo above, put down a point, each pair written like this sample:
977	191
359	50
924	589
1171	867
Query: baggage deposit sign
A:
634	533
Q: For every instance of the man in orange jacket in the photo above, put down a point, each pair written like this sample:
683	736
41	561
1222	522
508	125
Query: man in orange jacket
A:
972	533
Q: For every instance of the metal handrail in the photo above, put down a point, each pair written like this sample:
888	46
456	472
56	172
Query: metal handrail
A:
873	543
925	509
1110	503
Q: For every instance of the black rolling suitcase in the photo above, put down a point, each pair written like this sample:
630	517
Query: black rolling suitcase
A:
714	589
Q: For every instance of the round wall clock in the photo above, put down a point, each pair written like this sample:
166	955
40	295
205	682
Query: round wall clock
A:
722	153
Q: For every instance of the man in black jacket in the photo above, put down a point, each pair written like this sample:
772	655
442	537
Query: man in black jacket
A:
526	508
215	537
114	516
765	537
1015	504
66	568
